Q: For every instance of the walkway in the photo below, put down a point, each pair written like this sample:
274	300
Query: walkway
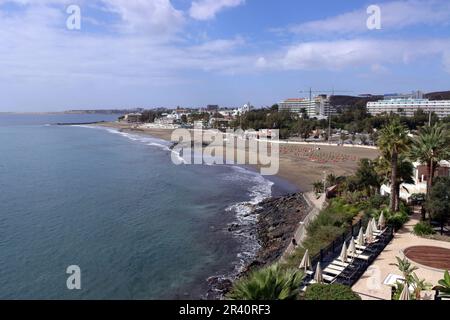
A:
370	286
300	234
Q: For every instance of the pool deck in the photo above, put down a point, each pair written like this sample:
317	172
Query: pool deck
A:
371	287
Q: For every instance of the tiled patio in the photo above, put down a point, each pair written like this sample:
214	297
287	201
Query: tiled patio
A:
370	286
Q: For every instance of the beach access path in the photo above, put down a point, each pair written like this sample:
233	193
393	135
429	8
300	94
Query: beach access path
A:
316	205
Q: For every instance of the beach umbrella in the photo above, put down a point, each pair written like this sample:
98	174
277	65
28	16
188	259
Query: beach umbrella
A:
318	276
360	239
352	247
343	255
369	233
405	295
306	262
374	225
382	220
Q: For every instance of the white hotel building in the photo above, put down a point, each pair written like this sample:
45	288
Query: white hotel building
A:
319	107
407	107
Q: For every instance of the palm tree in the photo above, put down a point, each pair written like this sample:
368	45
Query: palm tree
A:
367	177
271	283
406	268
318	187
431	146
331	180
405	171
394	141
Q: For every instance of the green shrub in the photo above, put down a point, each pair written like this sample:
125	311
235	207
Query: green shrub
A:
330	292
423	229
377	201
397	220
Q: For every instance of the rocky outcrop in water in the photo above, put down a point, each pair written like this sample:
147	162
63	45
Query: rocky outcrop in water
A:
278	219
277	223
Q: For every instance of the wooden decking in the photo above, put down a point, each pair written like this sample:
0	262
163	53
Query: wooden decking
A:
434	257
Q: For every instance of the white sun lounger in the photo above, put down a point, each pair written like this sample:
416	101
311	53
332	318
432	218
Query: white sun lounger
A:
340	263
332	271
328	278
392	279
360	256
335	267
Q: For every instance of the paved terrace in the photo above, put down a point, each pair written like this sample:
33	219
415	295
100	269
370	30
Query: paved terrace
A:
370	286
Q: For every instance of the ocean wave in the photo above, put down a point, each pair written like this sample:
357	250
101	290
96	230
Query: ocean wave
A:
147	140
260	190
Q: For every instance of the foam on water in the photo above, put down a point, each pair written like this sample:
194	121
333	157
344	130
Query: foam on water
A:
259	190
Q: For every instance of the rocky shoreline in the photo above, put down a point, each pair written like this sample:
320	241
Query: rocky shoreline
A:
278	219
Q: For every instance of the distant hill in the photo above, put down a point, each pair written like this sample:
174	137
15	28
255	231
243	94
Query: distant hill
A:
351	101
443	95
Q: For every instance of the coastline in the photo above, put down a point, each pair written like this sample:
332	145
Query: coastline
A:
267	226
299	165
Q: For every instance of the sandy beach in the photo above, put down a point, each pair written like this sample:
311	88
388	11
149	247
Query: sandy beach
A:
301	165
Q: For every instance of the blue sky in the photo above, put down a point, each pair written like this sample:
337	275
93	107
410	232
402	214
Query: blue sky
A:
164	53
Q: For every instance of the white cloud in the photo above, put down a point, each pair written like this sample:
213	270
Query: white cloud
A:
337	55
219	45
394	15
156	16
207	9
379	69
261	62
446	61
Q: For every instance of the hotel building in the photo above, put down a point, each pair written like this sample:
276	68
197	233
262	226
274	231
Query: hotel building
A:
420	178
319	107
407	105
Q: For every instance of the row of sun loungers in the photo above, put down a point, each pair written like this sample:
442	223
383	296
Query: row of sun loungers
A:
337	267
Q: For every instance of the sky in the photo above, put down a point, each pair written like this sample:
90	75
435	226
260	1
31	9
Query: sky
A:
168	53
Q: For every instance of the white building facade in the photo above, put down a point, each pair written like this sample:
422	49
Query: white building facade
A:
319	107
407	107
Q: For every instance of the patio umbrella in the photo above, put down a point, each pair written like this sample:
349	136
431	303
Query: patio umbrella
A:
352	247
369	233
318	276
360	239
382	220
306	262
374	225
343	256
405	295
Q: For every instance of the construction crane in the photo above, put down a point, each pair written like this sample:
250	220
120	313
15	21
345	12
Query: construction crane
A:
311	91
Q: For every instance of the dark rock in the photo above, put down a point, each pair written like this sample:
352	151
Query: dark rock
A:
277	223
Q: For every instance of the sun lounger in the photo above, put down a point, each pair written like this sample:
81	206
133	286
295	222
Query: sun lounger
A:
328	278
340	263
332	271
360	256
336	267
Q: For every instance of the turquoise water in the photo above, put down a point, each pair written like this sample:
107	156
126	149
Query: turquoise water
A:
138	226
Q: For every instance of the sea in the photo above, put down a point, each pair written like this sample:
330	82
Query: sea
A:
135	225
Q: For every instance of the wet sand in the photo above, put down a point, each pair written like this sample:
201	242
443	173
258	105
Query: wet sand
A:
301	165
